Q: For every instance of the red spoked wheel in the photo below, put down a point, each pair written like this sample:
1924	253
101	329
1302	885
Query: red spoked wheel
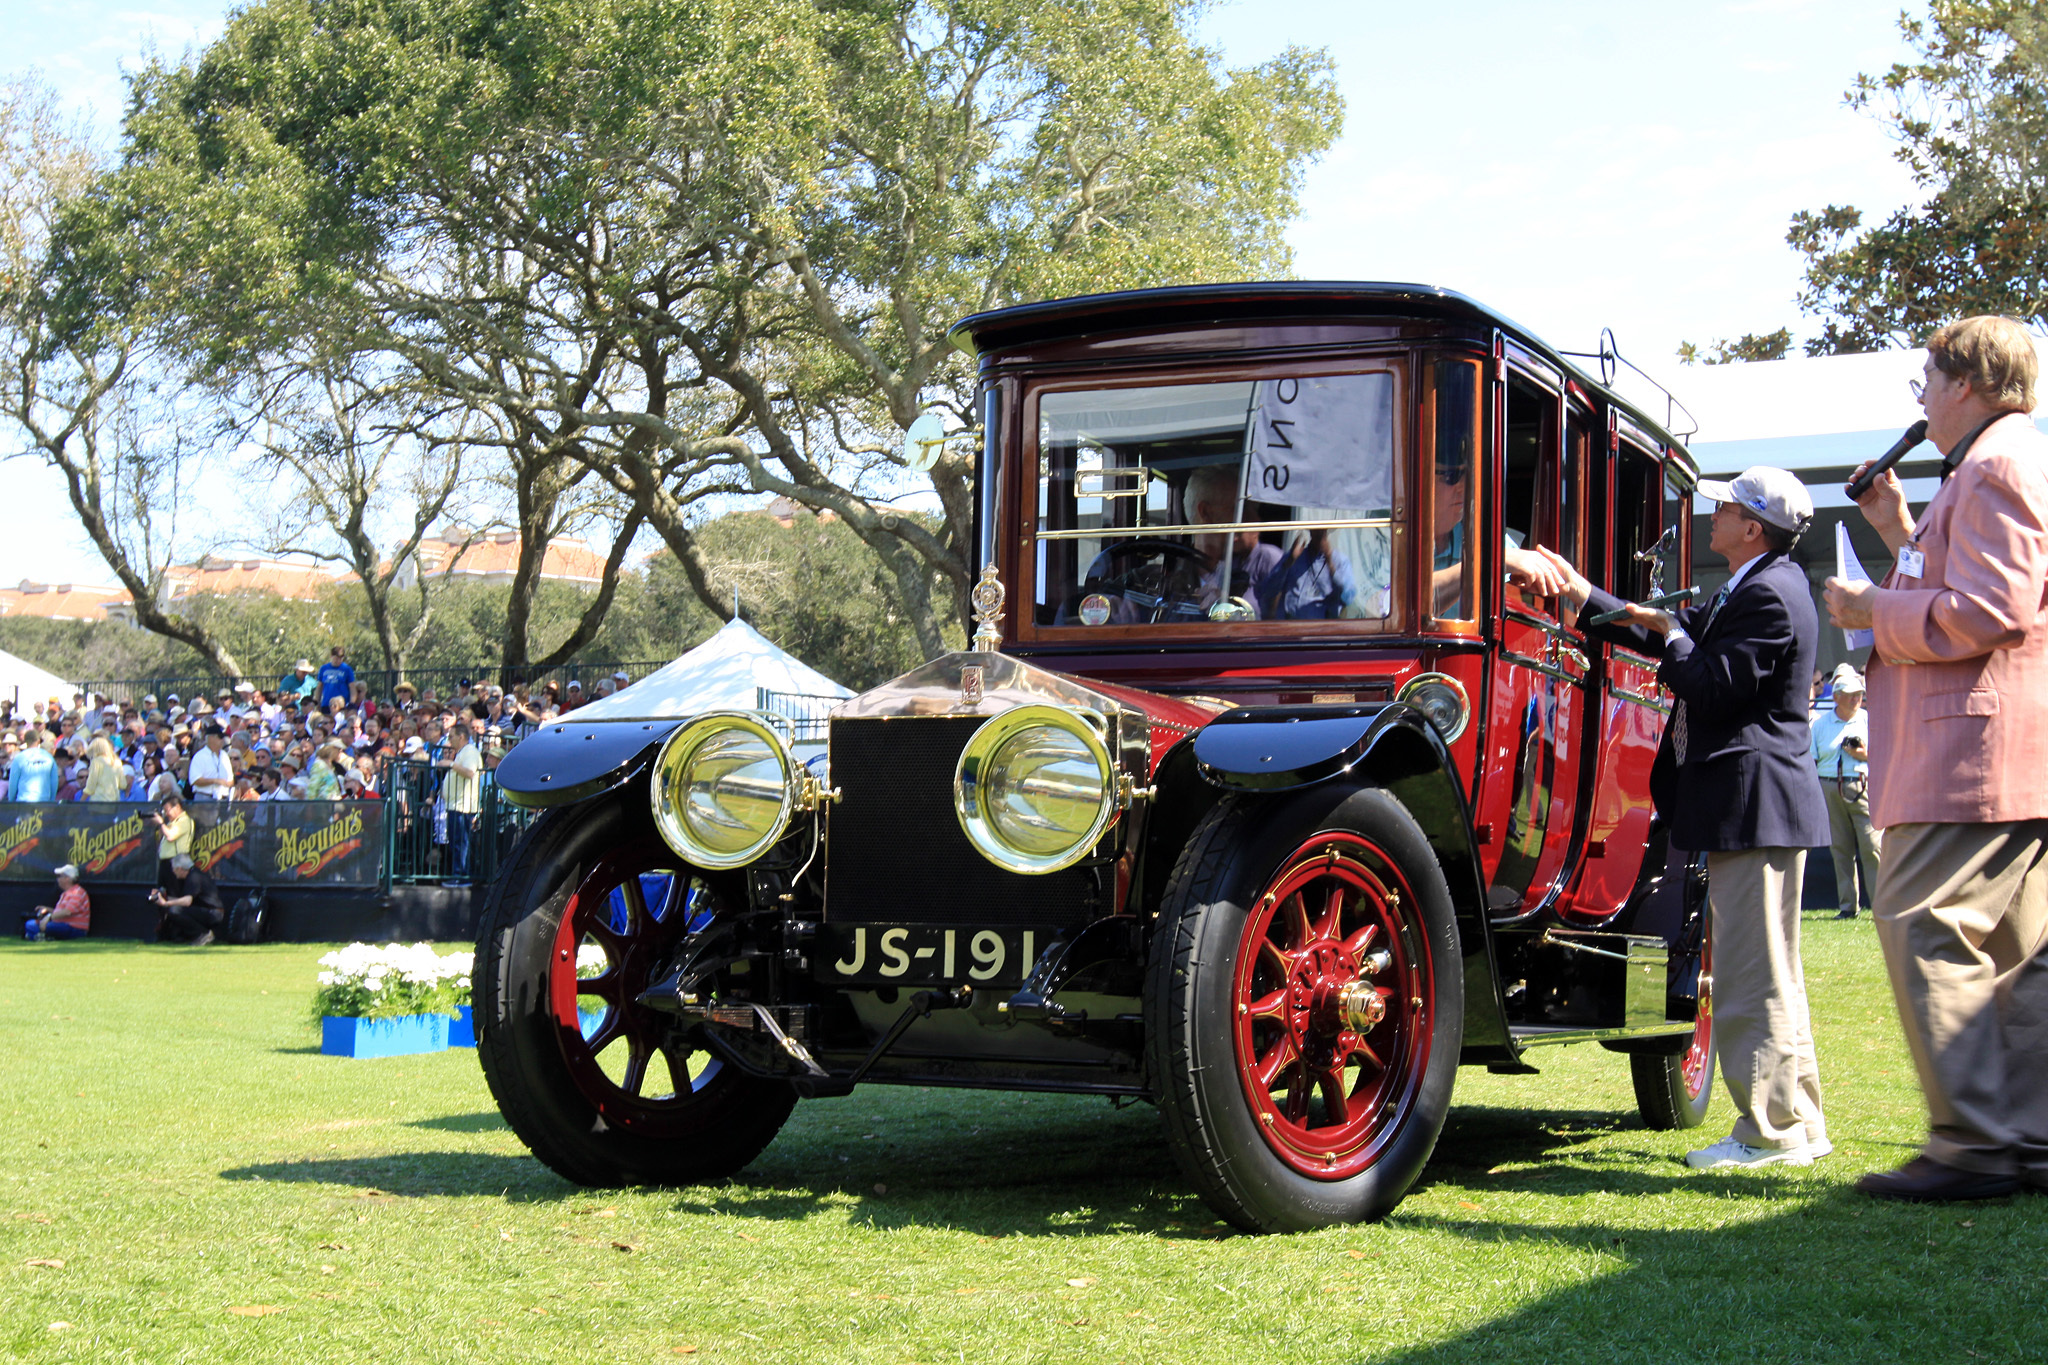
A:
1305	1007
1675	1090
604	1090
618	930
1333	988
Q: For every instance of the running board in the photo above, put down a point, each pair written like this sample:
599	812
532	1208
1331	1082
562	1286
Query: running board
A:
1538	1035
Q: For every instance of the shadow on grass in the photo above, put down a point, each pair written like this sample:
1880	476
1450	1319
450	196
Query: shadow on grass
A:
1063	1172
482	1121
413	1175
1826	1275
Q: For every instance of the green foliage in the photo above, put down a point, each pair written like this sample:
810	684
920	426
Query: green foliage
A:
813	588
1971	117
689	247
1748	346
390	981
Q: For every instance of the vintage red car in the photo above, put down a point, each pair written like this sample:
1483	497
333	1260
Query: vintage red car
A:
1260	793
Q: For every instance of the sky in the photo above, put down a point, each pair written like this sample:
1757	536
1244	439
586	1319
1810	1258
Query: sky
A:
1574	164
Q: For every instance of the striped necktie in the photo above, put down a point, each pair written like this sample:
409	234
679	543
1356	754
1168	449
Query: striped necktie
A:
1678	727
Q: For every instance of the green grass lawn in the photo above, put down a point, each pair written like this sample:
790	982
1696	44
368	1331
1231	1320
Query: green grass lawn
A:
217	1190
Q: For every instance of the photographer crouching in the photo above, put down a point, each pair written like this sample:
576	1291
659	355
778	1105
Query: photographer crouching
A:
191	909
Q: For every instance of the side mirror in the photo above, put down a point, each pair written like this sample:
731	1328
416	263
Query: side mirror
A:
928	438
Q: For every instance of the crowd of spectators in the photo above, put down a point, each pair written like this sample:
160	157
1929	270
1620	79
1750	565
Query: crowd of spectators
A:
316	735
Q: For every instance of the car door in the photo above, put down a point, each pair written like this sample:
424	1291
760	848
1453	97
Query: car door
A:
1536	691
1640	506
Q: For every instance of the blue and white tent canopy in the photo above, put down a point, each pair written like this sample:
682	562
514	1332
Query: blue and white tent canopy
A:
725	673
22	683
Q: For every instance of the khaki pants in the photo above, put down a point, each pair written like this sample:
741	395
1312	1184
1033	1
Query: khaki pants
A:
1962	912
1763	1038
1849	826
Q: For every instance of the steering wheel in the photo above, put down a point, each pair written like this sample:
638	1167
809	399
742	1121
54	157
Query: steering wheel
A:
1158	591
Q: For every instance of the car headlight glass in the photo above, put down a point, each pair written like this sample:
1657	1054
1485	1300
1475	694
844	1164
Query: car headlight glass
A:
1035	788
1442	698
724	786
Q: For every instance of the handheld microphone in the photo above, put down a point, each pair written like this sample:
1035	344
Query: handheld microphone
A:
1912	436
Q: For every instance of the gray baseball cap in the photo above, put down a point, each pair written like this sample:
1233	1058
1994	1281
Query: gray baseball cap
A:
1772	495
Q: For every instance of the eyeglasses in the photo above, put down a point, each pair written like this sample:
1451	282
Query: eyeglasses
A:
1915	387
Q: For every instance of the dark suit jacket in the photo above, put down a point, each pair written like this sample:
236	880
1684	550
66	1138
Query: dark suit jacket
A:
1747	781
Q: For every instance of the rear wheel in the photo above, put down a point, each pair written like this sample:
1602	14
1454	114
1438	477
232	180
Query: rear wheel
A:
1305	1007
604	1090
1674	1090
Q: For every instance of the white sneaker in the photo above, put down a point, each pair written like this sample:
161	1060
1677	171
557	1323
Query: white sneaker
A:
1817	1150
1728	1153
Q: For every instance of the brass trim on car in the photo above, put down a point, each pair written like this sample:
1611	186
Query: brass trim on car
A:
667	792
971	777
1659	707
1420	680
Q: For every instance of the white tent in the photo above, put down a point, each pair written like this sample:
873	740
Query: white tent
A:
22	683
722	674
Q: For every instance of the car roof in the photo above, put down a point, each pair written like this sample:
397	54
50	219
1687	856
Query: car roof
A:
1192	304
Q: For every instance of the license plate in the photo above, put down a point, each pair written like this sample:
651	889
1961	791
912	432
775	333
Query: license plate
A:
924	954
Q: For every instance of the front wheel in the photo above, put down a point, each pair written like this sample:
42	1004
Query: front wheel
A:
1673	1090
604	1090
1305	1007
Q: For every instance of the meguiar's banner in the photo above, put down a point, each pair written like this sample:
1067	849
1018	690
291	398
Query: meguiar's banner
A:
242	843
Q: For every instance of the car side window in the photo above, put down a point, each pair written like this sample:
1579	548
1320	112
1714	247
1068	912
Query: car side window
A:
1451	428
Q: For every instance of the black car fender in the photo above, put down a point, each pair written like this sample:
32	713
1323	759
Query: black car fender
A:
1390	745
567	762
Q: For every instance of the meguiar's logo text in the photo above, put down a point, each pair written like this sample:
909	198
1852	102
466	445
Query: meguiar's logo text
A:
95	850
19	837
211	847
305	852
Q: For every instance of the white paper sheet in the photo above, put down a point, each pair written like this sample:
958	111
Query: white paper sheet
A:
1849	569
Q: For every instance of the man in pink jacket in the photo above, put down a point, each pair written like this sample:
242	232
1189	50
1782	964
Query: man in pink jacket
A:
1958	684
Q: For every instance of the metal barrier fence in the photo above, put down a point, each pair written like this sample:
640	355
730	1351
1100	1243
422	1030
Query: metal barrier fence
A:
442	682
418	850
807	711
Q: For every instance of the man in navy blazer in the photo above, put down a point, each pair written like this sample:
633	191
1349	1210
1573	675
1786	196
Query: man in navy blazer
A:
1732	780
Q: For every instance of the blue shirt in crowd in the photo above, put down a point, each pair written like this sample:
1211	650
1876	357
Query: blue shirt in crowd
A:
335	681
33	776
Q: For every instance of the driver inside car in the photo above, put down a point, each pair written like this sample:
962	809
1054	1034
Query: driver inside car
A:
1209	499
1525	568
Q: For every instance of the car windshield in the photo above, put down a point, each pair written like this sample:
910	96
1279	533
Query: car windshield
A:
1200	504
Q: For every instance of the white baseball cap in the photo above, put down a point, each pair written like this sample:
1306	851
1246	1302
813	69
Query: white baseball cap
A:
1771	495
1847	679
67	870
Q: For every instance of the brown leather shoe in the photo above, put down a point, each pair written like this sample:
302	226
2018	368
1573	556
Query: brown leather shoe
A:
1923	1180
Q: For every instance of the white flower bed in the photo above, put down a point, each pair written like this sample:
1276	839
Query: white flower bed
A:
382	981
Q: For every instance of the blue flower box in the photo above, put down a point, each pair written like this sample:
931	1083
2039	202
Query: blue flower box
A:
462	1028
406	1034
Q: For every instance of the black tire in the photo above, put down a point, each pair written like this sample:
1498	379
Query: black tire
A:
1674	1090
549	1080
1663	1094
1221	943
